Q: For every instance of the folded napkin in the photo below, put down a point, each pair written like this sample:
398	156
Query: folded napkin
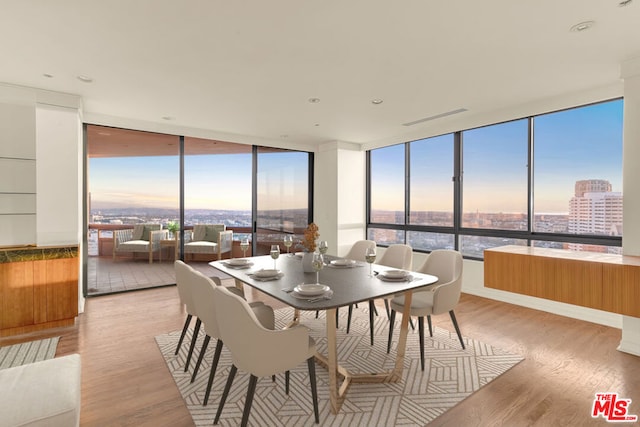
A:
266	279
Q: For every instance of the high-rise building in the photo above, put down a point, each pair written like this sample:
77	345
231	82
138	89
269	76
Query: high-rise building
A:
594	209
592	186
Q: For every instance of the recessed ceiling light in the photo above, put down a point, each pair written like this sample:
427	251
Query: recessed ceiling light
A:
47	75
317	124
624	3
582	26
85	79
314	100
376	101
167	118
284	135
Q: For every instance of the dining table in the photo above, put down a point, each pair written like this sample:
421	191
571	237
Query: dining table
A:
349	282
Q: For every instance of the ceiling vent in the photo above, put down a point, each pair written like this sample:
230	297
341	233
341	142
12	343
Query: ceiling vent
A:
437	116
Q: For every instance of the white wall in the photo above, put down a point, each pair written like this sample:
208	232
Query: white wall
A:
17	166
339	194
59	198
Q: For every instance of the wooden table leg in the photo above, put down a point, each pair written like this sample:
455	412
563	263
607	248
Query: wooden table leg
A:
332	358
396	375
240	285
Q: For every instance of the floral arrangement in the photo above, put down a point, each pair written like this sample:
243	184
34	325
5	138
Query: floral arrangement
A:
311	235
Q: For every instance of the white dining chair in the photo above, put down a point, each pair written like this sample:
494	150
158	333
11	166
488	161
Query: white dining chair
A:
184	283
399	256
258	350
185	289
357	252
440	298
203	293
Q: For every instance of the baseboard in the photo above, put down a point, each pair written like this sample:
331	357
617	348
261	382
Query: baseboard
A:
581	313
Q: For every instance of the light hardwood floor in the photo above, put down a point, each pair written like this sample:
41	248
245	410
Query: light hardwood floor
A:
125	381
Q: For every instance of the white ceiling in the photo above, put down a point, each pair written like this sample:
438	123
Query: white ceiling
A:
249	67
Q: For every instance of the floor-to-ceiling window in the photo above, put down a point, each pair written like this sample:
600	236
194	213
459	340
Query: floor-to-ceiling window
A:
217	187
551	180
283	186
134	184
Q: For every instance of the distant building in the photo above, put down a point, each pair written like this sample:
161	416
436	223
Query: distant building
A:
594	209
592	186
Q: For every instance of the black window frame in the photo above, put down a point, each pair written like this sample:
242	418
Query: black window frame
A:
457	230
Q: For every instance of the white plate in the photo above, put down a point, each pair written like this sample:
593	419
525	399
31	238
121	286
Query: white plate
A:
238	262
266	273
394	274
311	289
343	262
393	279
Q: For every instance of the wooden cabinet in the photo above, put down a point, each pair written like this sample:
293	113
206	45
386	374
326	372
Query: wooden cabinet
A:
601	281
38	294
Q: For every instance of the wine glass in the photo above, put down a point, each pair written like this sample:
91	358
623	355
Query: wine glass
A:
317	262
244	245
370	256
288	241
275	253
323	247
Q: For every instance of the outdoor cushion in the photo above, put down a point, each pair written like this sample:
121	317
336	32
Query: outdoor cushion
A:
213	231
138	229
147	229
134	246
201	247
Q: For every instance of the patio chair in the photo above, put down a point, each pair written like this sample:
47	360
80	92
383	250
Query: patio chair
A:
144	238
212	239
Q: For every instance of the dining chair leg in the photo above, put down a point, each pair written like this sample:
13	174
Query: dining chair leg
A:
225	393
205	344
212	374
317	313
392	319
196	330
386	306
371	307
349	317
413	328
337	317
421	333
249	400
430	330
286	382
314	389
184	332
455	325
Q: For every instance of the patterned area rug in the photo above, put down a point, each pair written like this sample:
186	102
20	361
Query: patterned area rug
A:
28	352
451	374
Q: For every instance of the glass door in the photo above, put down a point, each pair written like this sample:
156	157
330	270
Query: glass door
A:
283	197
132	197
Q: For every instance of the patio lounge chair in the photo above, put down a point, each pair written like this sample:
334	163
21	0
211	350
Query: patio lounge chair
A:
142	238
213	239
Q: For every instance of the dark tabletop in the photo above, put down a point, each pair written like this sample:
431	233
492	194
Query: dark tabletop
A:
349	284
